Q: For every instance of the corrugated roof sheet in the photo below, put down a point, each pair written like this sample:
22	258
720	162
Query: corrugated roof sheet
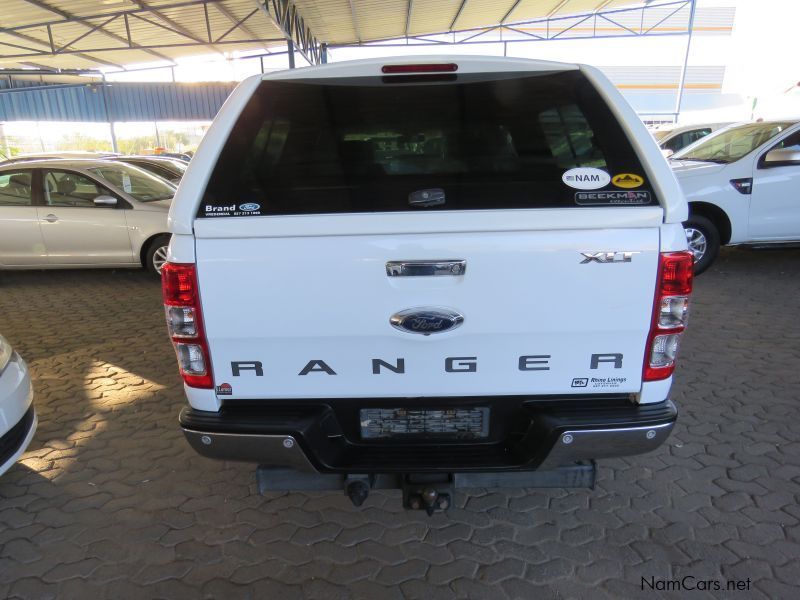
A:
122	102
88	33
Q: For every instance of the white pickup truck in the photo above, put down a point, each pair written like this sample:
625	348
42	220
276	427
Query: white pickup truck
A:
427	273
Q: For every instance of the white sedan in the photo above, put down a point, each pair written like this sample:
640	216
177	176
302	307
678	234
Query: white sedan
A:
82	213
743	187
17	415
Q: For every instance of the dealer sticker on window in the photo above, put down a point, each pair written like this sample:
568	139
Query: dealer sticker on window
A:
248	209
611	198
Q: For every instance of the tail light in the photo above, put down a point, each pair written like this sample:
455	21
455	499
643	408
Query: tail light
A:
185	323
670	313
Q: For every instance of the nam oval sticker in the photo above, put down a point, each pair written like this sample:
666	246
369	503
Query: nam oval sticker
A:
586	178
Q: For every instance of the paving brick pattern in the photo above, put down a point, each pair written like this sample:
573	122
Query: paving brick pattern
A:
110	502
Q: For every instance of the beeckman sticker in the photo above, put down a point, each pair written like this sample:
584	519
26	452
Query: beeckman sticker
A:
617	198
627	180
586	178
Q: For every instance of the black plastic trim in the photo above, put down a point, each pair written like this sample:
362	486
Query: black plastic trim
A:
12	439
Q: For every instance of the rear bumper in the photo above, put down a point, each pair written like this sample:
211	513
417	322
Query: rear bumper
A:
528	433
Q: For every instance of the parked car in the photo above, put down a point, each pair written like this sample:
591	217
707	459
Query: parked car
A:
17	414
184	156
167	168
82	213
672	139
743	187
453	271
76	154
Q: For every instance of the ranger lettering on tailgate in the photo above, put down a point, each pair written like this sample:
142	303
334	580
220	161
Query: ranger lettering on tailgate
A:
537	362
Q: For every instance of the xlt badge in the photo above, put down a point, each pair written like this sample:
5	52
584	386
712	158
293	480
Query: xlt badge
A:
607	257
426	320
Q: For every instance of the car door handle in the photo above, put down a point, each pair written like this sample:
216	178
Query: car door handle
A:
51	218
425	268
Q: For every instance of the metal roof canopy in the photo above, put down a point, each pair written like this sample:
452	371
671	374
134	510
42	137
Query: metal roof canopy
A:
83	34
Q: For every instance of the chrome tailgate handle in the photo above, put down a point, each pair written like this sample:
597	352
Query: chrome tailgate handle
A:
425	268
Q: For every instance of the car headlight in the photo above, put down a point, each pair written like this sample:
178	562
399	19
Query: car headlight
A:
5	353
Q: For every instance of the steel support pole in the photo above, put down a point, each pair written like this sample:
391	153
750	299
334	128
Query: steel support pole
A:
682	82
290	49
110	120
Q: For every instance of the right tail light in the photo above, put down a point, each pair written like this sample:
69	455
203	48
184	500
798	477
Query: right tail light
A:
185	323
670	313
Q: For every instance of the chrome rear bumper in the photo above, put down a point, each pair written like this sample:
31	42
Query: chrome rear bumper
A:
584	444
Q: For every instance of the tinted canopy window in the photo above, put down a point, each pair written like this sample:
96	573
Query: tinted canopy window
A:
440	143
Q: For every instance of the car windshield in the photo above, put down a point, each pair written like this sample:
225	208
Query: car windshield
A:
731	144
179	165
661	134
135	182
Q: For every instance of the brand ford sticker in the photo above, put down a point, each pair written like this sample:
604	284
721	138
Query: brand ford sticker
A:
586	178
249	207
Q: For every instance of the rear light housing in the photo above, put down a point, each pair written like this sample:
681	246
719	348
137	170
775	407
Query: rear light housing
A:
185	324
670	313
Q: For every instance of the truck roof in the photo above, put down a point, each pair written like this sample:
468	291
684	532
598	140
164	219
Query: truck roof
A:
466	64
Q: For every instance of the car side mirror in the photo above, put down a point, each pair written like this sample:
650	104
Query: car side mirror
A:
104	200
782	157
667	152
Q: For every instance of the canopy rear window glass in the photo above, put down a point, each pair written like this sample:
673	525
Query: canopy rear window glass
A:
380	144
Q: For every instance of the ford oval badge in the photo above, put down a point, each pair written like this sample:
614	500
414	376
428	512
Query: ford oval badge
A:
426	320
249	206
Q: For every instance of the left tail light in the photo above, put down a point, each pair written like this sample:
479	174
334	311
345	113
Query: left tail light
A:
185	323
670	314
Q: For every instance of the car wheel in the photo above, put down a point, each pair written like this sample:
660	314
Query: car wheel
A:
703	239
156	255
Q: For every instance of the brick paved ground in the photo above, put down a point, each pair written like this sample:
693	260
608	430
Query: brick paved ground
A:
110	502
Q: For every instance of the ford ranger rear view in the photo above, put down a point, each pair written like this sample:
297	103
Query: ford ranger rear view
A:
426	274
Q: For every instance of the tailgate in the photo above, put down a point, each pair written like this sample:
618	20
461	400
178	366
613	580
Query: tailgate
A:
300	307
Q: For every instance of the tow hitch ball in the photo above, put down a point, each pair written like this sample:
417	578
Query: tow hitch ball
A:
421	491
428	492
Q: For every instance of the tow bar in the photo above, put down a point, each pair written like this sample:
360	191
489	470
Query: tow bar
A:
430	492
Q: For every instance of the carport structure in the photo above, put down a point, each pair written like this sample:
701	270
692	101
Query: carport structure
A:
50	39
86	34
